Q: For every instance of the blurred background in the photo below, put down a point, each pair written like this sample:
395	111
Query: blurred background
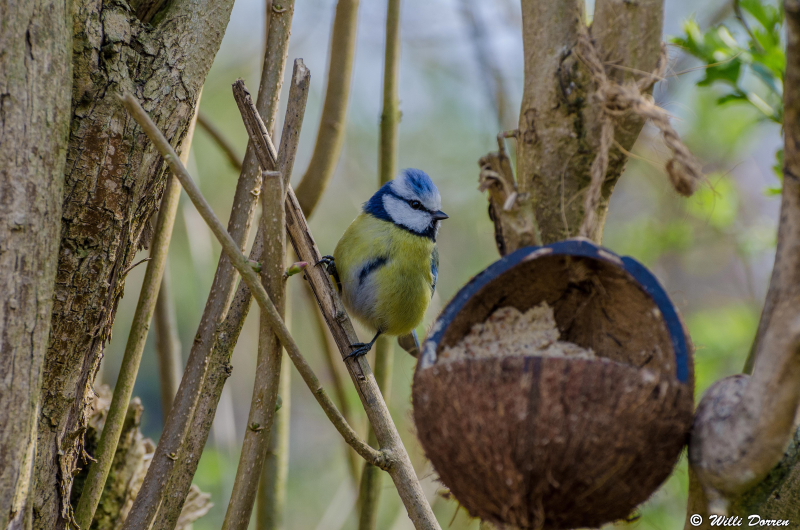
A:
713	252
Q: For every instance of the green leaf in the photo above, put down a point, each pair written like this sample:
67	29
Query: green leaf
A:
727	72
767	77
730	98
778	167
758	10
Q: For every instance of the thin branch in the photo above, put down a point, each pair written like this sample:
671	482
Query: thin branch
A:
176	56
383	459
264	149
400	468
332	361
168	345
330	137
123	390
230	328
489	66
220	139
737	9
133	266
371	478
154	491
279	29
730	452
272	488
268	367
390	117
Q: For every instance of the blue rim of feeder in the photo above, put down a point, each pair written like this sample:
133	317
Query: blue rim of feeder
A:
572	247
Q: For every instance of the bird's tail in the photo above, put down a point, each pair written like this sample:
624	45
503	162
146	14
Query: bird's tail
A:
410	343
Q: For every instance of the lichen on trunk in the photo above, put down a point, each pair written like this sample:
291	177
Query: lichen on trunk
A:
35	75
113	183
560	121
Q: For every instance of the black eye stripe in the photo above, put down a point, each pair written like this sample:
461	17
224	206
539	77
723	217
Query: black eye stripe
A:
417	205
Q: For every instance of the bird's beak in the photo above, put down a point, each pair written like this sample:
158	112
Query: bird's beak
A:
440	215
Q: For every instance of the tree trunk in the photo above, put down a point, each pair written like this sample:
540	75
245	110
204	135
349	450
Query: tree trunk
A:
35	76
560	120
113	183
744	479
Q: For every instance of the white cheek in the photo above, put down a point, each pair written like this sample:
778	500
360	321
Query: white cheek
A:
403	214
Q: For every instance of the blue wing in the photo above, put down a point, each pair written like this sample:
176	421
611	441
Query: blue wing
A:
434	269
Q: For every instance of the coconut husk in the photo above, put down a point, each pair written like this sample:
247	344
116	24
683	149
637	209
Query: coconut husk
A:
565	441
559	442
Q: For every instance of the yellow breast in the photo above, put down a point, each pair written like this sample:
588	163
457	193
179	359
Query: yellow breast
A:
386	274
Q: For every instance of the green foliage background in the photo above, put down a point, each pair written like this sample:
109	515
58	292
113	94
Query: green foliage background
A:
713	252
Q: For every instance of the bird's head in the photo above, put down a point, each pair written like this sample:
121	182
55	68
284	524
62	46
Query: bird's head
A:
411	201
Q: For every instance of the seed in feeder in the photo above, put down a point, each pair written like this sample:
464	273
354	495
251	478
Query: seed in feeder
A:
509	332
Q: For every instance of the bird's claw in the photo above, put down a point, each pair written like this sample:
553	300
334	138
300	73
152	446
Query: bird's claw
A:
361	349
330	266
325	260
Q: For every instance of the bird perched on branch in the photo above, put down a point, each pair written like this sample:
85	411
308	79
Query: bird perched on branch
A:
386	263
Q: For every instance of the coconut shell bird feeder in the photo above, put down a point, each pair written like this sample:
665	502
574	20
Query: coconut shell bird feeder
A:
532	439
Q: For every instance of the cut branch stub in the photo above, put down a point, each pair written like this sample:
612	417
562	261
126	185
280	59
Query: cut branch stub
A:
585	100
532	440
514	223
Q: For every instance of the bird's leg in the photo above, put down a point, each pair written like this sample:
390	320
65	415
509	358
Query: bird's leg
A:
362	348
330	266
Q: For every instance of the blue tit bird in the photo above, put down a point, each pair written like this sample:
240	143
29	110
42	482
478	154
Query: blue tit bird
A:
386	264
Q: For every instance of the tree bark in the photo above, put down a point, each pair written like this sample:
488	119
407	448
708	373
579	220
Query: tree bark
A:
560	124
761	476
113	182
35	75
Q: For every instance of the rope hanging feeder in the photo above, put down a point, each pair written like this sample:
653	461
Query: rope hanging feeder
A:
533	440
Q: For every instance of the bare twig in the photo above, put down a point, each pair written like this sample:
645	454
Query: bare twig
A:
399	468
733	449
134	265
154	491
390	117
279	29
168	345
221	293
219	138
489	69
371	478
272	489
333	361
225	340
123	390
264	149
268	368
330	137
383	459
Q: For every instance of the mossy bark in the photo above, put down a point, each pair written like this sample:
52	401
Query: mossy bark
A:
775	372
112	185
560	123
35	74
